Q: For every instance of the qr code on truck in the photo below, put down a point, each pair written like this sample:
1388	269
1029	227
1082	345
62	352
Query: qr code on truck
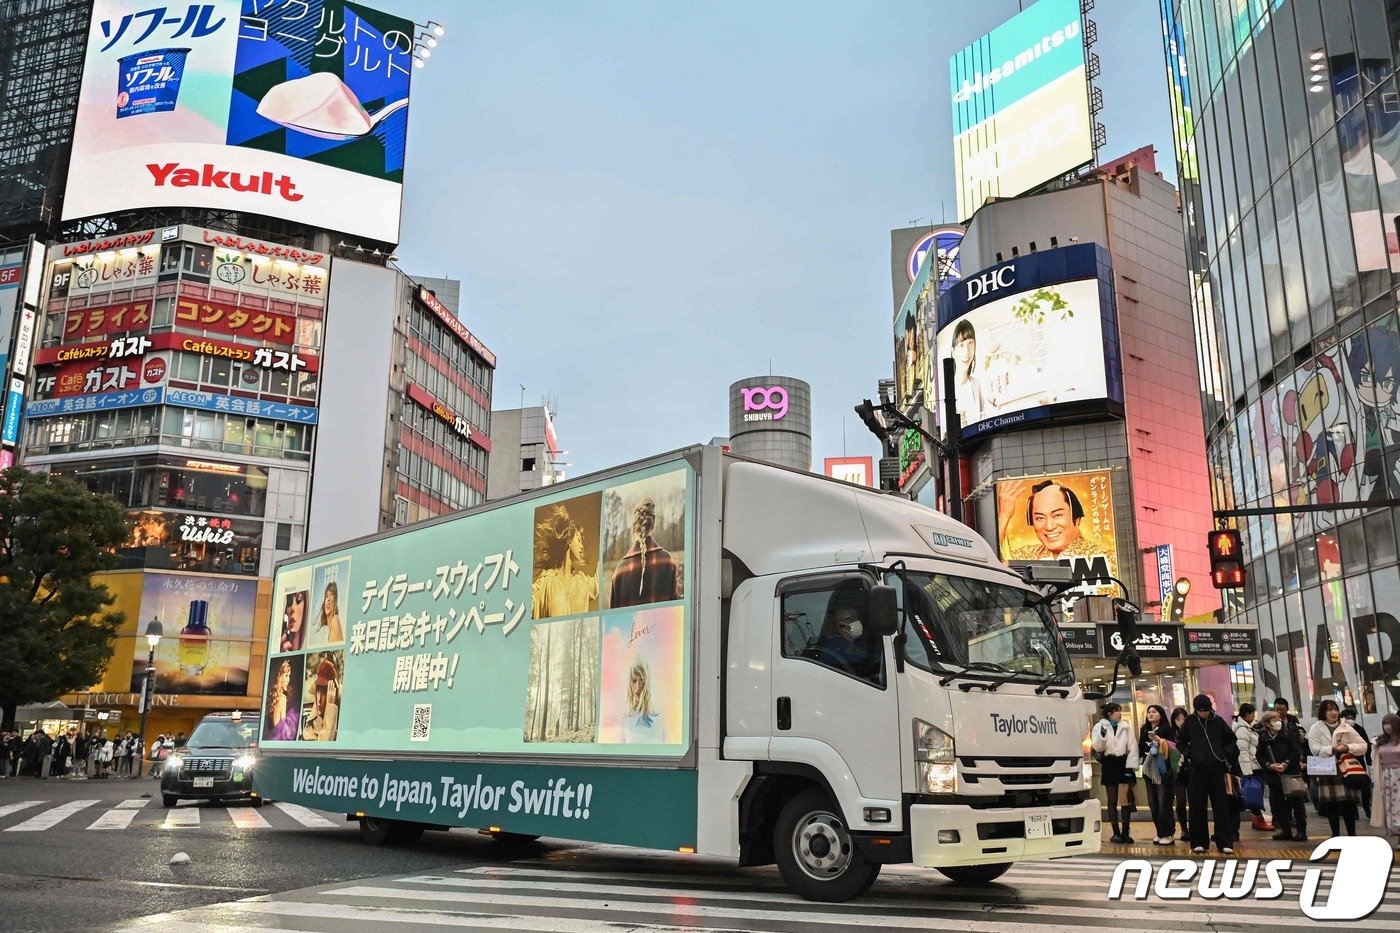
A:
422	722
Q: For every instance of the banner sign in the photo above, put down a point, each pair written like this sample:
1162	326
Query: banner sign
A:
14	404
1067	517
459	425
208	401
1166	576
545	628
454	324
1082	640
203	314
72	405
128	267
205	346
565	799
1151	641
107	319
296	110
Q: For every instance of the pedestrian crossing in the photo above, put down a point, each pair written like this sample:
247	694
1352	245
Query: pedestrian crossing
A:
145	813
593	889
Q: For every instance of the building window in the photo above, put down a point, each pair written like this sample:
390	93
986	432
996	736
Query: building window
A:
284	536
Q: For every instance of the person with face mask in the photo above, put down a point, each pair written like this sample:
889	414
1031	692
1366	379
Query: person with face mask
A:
1280	755
1385	786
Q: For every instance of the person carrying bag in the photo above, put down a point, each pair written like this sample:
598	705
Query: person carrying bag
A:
1280	756
1113	741
1331	738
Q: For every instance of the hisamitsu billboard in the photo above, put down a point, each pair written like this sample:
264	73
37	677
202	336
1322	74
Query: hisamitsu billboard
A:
1020	103
294	110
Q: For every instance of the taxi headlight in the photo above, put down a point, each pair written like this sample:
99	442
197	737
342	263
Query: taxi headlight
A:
174	762
244	762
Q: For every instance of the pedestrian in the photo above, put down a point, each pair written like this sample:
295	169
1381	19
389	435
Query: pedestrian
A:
1113	741
45	754
1349	717
1179	716
1247	738
1385	793
1212	752
1280	756
104	756
1160	761
80	756
1330	737
155	757
14	748
62	755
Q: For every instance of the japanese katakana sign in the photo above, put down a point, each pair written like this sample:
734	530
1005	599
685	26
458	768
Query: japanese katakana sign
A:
502	629
107	401
295	108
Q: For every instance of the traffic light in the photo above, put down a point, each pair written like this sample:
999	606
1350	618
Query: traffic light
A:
1226	563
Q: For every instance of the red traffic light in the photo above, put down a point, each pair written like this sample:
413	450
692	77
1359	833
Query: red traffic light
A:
1226	566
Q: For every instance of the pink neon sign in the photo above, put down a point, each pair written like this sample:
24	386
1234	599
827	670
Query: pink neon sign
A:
765	403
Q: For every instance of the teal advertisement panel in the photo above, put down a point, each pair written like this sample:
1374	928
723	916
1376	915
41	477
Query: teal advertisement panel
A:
558	626
650	807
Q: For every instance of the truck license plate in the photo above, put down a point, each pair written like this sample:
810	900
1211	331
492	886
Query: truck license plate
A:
1038	826
209	782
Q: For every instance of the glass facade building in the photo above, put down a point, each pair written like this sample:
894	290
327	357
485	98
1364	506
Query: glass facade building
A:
1286	118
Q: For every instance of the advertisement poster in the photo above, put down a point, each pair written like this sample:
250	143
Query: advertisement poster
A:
912	330
1025	351
296	110
1020	104
555	626
1067	518
208	625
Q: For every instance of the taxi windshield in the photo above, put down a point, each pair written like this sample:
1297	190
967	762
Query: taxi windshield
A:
225	733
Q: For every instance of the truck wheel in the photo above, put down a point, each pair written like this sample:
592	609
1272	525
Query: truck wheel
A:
379	832
815	854
169	800
975	874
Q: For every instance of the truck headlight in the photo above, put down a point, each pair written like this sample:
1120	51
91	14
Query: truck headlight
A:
1088	770
935	765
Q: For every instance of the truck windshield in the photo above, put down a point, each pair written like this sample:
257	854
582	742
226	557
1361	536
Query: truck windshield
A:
999	630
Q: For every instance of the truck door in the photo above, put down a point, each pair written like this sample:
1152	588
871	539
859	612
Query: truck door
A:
832	682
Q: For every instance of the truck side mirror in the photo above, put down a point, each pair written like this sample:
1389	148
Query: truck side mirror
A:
883	610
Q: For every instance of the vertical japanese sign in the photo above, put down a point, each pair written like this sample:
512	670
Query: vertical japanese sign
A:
293	109
556	626
1166	579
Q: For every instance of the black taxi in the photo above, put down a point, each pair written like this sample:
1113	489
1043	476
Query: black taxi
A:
216	763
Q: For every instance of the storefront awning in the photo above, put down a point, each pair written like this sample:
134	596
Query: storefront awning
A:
36	711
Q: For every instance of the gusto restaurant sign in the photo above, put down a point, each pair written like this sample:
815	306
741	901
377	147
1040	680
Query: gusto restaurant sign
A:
765	403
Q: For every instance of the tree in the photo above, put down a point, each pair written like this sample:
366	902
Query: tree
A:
55	636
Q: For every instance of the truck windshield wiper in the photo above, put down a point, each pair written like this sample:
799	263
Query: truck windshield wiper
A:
1051	678
971	666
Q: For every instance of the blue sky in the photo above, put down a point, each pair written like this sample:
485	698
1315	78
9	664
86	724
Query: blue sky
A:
648	201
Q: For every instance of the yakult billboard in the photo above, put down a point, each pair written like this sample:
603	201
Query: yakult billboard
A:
294	110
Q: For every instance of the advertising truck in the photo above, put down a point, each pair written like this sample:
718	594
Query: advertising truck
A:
696	652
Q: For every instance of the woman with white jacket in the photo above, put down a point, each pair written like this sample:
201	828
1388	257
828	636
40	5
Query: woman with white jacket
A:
1112	739
1248	741
1331	737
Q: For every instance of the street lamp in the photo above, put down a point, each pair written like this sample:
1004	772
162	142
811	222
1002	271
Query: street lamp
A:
148	686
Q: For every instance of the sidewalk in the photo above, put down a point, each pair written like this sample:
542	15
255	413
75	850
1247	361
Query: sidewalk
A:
1251	844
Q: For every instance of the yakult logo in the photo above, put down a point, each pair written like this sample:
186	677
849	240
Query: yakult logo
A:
766	403
1358	879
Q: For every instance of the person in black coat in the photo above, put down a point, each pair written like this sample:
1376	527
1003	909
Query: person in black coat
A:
1281	753
1183	773
1210	747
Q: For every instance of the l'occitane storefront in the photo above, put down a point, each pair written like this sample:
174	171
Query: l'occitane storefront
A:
210	656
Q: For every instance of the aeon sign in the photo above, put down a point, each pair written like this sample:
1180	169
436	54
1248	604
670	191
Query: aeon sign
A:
765	403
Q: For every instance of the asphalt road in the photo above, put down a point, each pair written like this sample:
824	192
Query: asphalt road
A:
70	877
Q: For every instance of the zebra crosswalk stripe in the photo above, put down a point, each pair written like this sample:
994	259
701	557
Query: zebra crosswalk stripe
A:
120	816
304	816
668	893
51	817
181	818
9	808
247	818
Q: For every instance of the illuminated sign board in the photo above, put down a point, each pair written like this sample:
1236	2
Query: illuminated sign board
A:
1032	338
945	245
296	110
857	470
765	403
1067	517
121	347
454	324
459	425
1020	103
14	404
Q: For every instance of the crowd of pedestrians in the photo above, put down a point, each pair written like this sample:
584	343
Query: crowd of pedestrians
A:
78	755
1264	765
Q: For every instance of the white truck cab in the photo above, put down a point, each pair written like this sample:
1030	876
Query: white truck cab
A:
955	746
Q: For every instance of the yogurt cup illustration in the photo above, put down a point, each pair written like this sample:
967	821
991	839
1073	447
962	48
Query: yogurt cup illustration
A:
149	82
